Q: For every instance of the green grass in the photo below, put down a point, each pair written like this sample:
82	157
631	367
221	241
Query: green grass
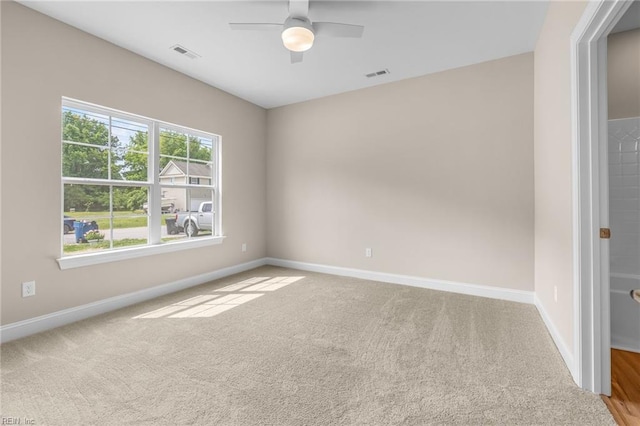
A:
121	219
104	244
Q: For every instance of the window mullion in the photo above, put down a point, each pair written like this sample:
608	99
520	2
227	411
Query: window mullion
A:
103	182
109	151
217	178
155	192
111	216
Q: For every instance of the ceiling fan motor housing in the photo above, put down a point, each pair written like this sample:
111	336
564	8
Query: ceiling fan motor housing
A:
297	34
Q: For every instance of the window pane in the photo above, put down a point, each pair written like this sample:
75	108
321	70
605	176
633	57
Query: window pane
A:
83	201
88	211
85	127
129	230
199	172
173	172
129	199
172	145
186	199
86	208
130	165
85	161
200	148
129	225
194	218
130	134
181	172
131	155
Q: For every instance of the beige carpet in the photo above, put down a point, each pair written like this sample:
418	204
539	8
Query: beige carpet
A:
321	350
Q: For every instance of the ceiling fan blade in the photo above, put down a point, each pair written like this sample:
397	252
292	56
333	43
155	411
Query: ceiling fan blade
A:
333	29
255	27
299	8
296	57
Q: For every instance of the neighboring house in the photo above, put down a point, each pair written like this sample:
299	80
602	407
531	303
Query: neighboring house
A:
180	173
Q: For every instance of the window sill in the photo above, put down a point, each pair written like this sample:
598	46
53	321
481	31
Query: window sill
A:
81	260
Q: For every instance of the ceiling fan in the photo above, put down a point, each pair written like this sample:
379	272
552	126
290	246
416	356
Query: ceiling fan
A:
298	32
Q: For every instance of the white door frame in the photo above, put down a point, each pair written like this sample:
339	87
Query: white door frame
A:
591	339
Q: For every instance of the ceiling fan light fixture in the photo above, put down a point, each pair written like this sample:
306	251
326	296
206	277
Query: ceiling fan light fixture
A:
297	35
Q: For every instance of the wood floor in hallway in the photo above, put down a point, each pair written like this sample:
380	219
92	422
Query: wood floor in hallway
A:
624	402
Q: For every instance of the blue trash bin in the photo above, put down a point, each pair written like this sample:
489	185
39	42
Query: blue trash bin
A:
82	227
78	227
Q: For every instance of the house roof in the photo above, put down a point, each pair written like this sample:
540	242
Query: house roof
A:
195	169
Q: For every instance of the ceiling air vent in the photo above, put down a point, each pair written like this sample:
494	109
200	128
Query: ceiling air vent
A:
184	51
377	73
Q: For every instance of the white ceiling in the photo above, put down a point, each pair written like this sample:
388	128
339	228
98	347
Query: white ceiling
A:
407	38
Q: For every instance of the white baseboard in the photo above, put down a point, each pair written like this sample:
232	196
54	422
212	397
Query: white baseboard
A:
521	296
450	286
56	319
566	354
624	345
35	325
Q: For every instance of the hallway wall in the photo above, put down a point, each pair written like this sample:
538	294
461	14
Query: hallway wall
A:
553	170
623	74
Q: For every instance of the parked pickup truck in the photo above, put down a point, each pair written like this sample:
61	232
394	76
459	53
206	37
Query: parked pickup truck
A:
194	222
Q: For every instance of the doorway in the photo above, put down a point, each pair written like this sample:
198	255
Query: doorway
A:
623	140
592	317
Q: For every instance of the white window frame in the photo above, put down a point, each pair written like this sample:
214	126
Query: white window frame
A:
154	245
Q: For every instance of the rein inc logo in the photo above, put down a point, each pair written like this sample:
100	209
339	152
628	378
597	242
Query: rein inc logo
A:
17	421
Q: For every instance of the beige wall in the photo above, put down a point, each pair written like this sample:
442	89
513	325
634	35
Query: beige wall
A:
43	60
435	174
623	77
552	159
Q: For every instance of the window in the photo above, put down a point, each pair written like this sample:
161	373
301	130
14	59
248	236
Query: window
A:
133	182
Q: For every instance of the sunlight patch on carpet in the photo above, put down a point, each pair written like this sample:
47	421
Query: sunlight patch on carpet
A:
216	306
243	284
209	305
273	284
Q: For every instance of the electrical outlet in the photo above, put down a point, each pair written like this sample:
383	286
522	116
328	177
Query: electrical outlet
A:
244	247
555	293
367	252
29	289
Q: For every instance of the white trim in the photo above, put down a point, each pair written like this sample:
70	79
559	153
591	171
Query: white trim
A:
56	319
31	326
101	109
154	193
217	194
590	255
432	284
566	354
116	255
106	182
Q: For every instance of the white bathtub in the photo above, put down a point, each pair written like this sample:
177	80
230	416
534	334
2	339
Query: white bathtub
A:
625	312
624	221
